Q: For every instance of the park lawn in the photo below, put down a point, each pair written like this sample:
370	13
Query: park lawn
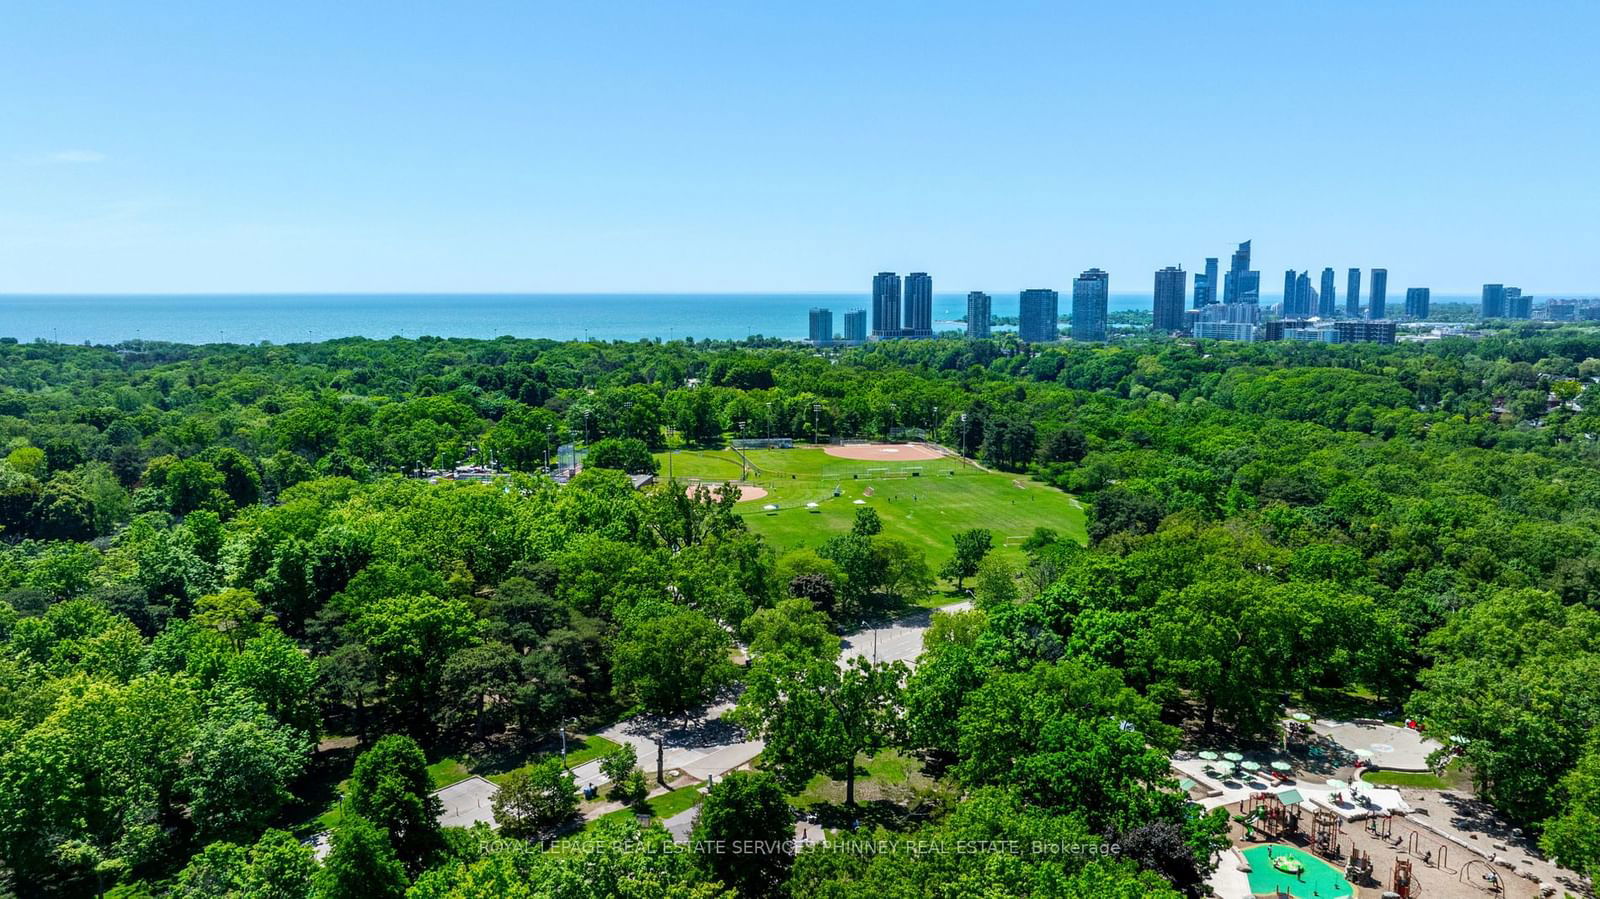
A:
587	749
328	820
926	511
579	750
445	772
886	769
705	465
661	807
1454	778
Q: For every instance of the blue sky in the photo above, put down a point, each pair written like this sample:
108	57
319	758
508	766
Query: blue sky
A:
353	146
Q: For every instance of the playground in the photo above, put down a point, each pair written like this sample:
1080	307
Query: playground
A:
816	492
1280	869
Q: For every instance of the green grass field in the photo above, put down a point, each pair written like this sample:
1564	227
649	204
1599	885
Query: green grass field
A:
947	496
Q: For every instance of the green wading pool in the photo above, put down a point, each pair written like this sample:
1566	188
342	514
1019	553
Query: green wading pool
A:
1278	867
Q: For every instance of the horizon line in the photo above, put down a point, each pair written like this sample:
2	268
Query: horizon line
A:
867	292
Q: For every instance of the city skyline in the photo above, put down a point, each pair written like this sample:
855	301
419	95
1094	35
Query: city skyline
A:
903	308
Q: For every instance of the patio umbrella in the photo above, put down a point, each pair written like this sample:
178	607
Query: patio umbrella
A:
1250	766
1362	753
1208	755
1282	766
1336	783
1300	716
1223	767
1233	756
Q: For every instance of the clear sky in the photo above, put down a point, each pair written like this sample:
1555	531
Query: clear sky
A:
479	146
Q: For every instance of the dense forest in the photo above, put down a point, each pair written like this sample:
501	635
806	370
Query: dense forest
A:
217	567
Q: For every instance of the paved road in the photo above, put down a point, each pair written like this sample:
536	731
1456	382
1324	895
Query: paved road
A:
708	746
897	641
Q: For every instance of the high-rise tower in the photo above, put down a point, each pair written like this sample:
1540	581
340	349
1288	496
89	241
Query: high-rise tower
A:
1039	316
1167	314
1494	301
1417	302
918	318
886	305
978	314
1090	295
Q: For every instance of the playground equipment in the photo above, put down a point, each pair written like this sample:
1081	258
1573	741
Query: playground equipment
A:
1401	883
1359	868
1269	813
1325	834
1480	873
1249	820
1288	865
1419	846
1380	826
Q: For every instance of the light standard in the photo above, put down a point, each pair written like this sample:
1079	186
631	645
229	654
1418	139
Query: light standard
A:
893	418
669	453
963	436
743	468
549	434
769	419
816	429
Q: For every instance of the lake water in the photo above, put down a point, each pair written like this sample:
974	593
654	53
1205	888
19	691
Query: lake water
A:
292	318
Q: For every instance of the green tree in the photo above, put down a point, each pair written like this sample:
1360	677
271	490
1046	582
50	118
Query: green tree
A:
411	638
971	546
794	627
867	523
390	788
480	680
532	804
525	438
668	664
859	569
239	768
280	868
996	584
1070	737
361	862
816	717
1572	837
617	764
625	454
902	569
746	810
218	870
1117	510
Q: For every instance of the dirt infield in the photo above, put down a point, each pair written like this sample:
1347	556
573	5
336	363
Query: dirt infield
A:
903	452
746	492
